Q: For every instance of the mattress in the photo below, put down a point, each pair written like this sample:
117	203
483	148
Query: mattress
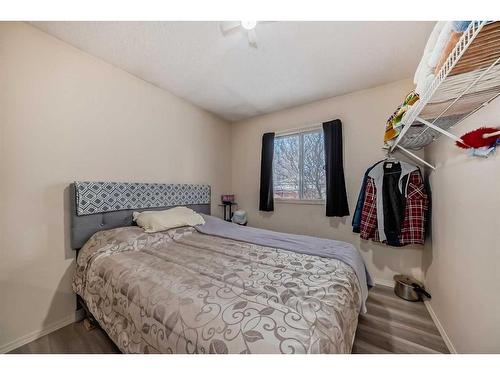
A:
182	291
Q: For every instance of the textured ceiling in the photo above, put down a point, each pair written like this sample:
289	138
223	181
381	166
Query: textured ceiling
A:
295	62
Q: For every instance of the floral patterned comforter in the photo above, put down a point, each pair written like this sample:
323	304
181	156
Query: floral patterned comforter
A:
181	291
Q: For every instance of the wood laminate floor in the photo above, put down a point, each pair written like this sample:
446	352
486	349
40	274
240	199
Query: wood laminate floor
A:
391	325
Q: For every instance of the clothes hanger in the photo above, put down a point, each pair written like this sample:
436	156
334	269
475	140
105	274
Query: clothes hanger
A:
390	158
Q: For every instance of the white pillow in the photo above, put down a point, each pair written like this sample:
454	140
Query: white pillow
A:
157	221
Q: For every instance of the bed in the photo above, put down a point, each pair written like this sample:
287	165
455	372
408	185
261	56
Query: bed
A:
215	288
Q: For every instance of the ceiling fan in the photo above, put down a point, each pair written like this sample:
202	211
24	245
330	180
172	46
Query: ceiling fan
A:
247	27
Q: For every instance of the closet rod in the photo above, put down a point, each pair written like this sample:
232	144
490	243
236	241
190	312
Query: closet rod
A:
416	157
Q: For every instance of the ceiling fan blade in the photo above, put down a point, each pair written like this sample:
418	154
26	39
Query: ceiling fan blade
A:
228	26
252	38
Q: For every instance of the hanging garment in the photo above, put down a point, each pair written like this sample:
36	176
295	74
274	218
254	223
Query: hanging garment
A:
356	219
415	212
377	173
368	226
393	202
417	206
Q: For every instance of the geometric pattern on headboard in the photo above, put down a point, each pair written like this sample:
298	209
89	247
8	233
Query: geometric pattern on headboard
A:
98	197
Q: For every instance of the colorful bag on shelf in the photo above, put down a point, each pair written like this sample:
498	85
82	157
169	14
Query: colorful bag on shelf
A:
394	122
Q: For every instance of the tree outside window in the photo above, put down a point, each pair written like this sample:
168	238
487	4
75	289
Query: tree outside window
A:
299	166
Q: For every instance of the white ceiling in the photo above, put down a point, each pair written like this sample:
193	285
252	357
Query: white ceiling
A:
295	62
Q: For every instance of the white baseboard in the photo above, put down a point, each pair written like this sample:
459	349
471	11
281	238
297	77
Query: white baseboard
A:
444	335
77	315
389	283
440	328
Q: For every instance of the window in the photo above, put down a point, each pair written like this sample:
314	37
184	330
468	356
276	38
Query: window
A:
299	166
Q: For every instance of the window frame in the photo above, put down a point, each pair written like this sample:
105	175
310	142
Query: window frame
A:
300	132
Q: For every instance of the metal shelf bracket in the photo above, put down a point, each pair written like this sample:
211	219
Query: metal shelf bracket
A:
438	129
416	157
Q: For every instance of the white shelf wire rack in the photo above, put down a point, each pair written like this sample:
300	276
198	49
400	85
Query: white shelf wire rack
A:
468	81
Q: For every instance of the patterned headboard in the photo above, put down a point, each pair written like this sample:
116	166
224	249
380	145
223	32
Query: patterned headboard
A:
99	206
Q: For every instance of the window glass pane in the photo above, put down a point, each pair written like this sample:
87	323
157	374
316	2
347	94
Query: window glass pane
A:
299	166
286	167
314	186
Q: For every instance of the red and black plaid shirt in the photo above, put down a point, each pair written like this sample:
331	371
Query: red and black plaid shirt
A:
417	204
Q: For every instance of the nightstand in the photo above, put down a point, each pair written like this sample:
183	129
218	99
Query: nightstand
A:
228	210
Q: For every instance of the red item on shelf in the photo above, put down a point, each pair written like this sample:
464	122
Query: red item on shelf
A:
475	139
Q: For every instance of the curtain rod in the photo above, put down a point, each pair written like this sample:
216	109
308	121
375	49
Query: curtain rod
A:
299	130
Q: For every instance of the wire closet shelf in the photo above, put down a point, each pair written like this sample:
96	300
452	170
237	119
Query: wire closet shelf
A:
468	81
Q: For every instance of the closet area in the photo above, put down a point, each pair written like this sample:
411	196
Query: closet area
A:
457	85
458	75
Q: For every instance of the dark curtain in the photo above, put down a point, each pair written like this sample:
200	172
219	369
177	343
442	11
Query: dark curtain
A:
336	195
266	202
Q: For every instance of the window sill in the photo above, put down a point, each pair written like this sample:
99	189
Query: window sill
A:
300	201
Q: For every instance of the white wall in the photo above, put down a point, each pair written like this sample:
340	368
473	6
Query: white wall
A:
363	115
65	116
462	265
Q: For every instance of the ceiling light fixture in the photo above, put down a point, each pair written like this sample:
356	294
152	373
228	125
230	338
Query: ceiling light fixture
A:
248	28
248	25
